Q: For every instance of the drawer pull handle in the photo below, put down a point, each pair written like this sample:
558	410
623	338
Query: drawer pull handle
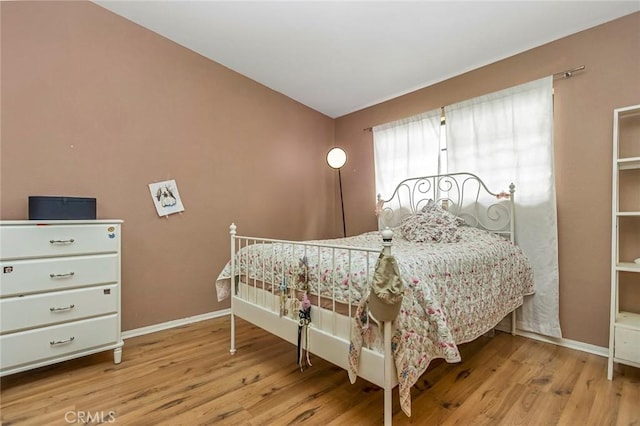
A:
62	342
69	241
66	308
68	274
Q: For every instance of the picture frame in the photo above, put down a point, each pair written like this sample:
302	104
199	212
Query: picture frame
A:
166	197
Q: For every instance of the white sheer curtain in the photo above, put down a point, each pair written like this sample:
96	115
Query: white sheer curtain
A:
406	148
505	137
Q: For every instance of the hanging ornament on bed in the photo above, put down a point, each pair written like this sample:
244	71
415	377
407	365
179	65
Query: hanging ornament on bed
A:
299	285
303	332
292	301
303	274
283	297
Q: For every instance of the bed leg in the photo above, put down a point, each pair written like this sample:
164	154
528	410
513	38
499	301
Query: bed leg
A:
233	283
388	371
513	323
232	351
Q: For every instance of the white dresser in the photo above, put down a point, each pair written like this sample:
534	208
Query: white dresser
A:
59	291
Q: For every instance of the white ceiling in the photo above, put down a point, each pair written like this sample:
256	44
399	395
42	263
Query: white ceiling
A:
338	57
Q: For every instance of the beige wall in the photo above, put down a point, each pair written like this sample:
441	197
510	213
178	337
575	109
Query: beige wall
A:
583	110
94	105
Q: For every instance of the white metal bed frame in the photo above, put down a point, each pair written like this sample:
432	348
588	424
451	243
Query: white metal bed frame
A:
462	194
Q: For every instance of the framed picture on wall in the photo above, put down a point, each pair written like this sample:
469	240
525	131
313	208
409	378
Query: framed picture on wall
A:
166	197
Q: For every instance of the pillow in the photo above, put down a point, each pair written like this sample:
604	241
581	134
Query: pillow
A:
431	224
434	208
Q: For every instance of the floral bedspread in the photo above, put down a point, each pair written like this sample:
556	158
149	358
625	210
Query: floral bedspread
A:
453	292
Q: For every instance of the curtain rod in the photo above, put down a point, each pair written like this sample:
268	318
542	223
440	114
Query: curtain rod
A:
569	73
561	74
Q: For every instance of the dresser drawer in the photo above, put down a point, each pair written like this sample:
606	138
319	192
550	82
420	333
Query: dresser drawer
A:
627	344
61	306
20	277
57	341
31	241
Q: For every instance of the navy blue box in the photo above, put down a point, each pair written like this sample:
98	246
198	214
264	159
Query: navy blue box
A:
61	208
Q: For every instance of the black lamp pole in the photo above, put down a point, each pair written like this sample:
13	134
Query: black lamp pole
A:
344	224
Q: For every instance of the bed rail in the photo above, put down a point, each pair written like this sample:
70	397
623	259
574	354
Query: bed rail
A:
273	274
316	266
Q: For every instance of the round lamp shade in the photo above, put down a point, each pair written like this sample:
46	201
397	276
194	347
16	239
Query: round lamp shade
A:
336	158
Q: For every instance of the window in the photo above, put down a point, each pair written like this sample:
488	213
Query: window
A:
503	137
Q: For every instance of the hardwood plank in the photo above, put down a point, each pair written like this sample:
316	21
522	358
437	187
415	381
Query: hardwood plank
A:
187	376
629	412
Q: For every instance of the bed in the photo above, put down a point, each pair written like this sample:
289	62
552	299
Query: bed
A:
462	273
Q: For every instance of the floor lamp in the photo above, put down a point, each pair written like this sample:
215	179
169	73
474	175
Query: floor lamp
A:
336	159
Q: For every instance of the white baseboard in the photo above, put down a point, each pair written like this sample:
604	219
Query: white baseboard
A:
175	323
505	325
567	343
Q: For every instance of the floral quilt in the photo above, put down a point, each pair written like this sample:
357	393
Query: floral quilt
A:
453	291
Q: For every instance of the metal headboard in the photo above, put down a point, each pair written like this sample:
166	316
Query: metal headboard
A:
462	194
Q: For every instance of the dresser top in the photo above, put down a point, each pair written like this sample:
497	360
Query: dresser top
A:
58	222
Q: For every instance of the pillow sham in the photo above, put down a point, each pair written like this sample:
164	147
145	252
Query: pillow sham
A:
435	209
431	224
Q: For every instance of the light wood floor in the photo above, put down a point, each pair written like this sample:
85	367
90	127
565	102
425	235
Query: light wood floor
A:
186	376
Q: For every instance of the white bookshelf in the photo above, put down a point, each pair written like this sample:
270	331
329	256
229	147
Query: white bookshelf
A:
624	336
